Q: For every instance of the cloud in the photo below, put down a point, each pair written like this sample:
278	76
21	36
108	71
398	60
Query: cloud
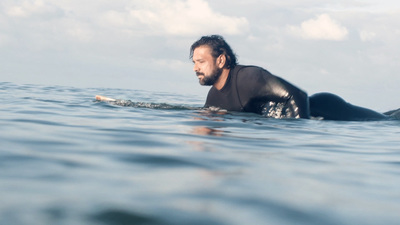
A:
31	8
61	23
178	17
367	35
320	28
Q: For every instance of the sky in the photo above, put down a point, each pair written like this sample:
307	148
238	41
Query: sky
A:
347	47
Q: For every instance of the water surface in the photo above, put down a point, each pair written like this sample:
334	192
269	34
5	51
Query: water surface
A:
68	159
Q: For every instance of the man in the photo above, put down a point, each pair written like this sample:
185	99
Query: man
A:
254	89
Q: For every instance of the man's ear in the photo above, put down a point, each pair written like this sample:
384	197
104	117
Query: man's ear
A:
221	61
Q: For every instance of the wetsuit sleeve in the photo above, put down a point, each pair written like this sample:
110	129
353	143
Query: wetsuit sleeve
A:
263	93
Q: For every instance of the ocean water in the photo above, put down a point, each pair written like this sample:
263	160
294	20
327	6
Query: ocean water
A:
66	158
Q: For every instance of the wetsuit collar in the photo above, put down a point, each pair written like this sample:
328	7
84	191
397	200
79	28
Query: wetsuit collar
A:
227	81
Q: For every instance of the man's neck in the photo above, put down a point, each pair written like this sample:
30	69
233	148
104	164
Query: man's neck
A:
222	79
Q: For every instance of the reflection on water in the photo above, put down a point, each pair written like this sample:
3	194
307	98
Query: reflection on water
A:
207	131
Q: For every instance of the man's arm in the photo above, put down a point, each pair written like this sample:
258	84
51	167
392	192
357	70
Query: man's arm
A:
264	93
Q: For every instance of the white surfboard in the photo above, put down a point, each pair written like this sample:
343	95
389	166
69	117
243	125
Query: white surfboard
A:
105	99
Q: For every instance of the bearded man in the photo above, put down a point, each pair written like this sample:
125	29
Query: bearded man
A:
254	89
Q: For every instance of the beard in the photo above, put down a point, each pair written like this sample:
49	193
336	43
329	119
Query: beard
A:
210	79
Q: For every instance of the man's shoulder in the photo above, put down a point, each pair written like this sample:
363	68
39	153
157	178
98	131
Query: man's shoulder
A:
251	73
251	78
250	70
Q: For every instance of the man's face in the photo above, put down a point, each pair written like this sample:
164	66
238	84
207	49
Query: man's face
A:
205	66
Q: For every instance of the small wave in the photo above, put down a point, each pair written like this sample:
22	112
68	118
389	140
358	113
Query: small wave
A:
119	216
151	105
394	114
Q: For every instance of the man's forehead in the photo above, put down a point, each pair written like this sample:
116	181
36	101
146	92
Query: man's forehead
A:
202	52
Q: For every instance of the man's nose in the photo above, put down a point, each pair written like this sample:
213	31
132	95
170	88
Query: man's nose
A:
195	68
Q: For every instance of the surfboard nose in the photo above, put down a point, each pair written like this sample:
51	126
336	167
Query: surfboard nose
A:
103	98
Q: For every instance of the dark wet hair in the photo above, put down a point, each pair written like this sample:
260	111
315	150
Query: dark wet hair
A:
218	46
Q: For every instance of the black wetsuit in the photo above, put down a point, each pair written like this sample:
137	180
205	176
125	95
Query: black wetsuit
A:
254	89
332	107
